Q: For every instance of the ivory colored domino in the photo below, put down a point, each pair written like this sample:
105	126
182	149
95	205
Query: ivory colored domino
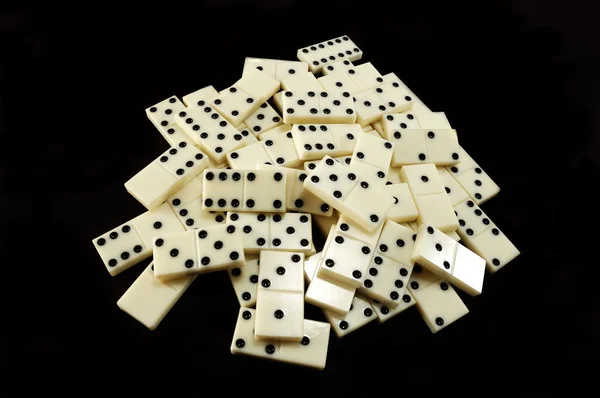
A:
480	234
245	281
449	260
165	175
360	314
384	312
149	300
329	296
310	351
439	305
130	243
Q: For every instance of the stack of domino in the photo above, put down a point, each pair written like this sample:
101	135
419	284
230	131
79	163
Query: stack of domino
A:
353	152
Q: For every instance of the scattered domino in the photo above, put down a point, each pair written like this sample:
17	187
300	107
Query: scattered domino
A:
166	174
317	107
249	169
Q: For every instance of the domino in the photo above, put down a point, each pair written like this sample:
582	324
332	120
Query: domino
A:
258	84
166	174
404	208
269	134
131	243
317	107
199	251
301	200
291	232
247	137
336	108
281	271
369	107
175	255
433	120
200	97
439	305
386	281
275	68
360	314
162	116
149	300
344	48
442	147
193	217
384	312
436	210
279	315
455	192
282	150
391	265
482	236
432	201
219	247
249	156
399	122
394	96
265	191
210	131
347	227
329	296
333	183
313	141
420	279
245	281
187	193
121	248
396	242
340	83
374	151
338	66
304	81
244	342
263	119
345	261
159	221
265	65
255	229
311	351
418	105
418	146
449	260
223	190
317	56
365	76
367	205
286	69
280	301
473	179
235	105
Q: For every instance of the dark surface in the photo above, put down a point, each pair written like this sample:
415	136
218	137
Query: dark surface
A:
519	84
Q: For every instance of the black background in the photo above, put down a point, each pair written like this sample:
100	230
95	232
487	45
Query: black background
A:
519	83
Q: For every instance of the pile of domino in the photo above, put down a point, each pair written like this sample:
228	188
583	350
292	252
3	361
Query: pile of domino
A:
321	141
